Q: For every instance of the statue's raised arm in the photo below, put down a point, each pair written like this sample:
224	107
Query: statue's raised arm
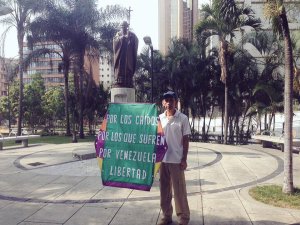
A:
125	46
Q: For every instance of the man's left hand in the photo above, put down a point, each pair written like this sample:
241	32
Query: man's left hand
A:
183	165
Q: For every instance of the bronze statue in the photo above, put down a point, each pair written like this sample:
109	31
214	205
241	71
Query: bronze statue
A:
125	46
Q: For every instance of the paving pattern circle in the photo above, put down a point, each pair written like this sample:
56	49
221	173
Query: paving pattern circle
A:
90	168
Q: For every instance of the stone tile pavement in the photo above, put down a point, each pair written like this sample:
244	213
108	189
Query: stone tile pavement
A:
45	185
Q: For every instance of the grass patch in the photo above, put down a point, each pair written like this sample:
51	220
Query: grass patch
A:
272	195
53	140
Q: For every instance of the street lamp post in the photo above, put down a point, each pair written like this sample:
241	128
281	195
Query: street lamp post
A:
148	42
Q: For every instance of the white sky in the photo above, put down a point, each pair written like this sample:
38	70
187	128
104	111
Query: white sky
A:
143	18
143	22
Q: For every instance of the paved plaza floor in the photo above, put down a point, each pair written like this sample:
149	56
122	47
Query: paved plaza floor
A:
45	185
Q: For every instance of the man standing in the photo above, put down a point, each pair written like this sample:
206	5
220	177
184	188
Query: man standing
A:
125	46
177	130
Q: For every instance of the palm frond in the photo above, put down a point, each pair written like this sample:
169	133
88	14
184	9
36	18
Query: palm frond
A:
204	27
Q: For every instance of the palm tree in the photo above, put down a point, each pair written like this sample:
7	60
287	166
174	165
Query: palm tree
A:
244	75
181	64
270	95
275	11
269	56
65	25
206	88
51	26
223	19
86	24
64	53
142	77
20	19
84	17
75	29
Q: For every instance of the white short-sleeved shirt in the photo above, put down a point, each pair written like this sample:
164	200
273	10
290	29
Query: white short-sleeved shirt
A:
174	129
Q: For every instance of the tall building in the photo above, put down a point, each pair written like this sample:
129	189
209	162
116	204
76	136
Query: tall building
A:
48	66
258	6
6	67
106	70
3	78
292	9
176	19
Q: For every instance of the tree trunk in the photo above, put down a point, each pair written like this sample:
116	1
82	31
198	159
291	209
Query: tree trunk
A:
81	69
226	114
74	138
274	123
66	93
203	129
21	94
237	129
222	123
248	126
210	118
266	123
224	79
198	127
259	119
288	186
270	121
193	126
243	119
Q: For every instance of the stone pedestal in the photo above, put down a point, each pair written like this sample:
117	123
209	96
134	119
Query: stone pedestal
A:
122	95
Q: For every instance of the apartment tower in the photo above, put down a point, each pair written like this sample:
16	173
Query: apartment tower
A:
48	65
176	19
106	70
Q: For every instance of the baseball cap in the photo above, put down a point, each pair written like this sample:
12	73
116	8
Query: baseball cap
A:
170	94
124	24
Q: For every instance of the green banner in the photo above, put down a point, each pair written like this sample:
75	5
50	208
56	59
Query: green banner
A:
130	146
